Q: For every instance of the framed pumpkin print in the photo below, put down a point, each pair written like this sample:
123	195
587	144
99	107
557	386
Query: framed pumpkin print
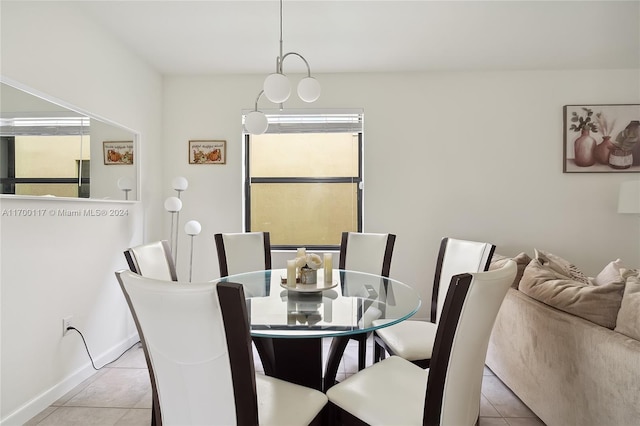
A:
120	152
601	138
207	152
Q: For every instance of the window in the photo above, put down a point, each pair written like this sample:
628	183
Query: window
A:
45	156
303	178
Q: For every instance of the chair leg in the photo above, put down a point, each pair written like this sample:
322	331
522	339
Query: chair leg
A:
362	354
378	352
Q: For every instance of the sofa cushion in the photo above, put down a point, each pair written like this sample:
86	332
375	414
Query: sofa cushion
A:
598	304
628	322
561	266
609	273
522	260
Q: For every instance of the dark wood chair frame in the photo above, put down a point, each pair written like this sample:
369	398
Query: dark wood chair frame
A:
238	333
449	318
380	346
263	345
386	268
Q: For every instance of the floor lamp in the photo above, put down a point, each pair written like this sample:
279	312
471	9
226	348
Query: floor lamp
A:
173	205
180	184
125	184
192	228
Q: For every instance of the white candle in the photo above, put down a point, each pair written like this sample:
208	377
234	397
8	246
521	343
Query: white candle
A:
291	272
302	252
328	267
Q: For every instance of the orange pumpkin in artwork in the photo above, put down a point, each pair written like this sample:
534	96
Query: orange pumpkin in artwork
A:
114	156
214	155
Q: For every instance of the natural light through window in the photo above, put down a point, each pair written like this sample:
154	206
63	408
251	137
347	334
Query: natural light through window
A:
304	184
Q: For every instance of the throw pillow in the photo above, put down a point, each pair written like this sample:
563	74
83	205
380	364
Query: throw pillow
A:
561	266
611	272
598	304
522	260
629	315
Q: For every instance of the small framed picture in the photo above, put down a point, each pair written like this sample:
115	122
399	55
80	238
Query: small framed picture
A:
602	138
118	152
207	152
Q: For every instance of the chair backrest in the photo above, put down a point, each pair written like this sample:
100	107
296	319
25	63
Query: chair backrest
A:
460	347
199	371
456	257
367	252
243	252
152	260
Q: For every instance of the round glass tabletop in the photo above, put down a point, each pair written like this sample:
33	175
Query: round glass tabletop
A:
348	303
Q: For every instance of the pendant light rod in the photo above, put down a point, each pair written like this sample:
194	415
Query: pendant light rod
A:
280	59
299	56
277	88
258	98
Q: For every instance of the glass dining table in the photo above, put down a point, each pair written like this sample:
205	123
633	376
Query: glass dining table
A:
288	322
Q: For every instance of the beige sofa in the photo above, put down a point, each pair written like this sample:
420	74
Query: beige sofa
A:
567	369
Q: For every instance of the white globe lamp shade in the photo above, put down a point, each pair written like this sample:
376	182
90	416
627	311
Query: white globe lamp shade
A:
180	183
173	204
125	184
192	227
256	123
277	88
309	89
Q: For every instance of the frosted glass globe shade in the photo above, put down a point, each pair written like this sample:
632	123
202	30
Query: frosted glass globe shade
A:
180	183
173	204
125	184
277	88
256	123
192	227
309	89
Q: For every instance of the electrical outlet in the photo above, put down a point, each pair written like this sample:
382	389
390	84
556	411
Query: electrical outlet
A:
66	323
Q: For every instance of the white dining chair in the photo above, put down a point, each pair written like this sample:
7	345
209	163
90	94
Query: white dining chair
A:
398	392
370	253
197	338
240	252
243	252
413	340
152	260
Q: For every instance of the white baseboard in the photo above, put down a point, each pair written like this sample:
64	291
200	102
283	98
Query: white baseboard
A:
51	395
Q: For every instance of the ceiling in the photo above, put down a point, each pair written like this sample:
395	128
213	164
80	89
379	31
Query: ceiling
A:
205	37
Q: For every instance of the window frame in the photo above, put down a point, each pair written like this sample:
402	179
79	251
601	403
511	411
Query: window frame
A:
358	180
9	182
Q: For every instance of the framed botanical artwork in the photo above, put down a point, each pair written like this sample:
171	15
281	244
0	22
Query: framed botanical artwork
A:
601	138
207	152
117	152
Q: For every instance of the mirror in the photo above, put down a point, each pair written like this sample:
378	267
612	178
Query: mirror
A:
50	150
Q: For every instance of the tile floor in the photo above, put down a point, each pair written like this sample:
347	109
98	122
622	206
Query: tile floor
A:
120	394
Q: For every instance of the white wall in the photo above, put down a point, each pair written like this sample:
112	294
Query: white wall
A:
472	155
54	266
104	178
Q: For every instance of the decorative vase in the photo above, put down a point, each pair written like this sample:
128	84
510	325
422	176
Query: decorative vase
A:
308	276
636	154
620	159
602	151
629	140
584	147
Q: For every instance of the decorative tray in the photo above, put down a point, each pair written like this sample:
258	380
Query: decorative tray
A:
308	288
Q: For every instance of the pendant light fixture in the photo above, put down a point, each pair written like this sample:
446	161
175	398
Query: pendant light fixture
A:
277	89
